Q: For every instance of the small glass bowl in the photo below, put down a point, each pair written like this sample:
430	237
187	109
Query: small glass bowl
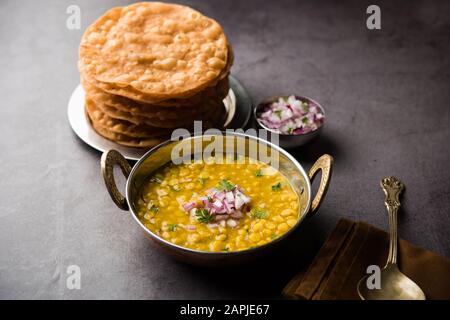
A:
290	140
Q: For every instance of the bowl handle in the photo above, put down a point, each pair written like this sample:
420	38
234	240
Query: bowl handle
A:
109	160
325	164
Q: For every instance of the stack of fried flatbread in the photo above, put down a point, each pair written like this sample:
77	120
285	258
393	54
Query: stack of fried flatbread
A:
149	68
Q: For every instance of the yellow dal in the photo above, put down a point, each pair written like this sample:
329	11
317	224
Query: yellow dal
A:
161	211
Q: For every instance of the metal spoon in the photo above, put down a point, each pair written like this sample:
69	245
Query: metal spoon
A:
394	284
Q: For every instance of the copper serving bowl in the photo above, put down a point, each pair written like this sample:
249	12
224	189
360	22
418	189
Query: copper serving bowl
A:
162	154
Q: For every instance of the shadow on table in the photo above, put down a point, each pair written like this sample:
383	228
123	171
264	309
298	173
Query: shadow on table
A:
94	153
265	277
309	153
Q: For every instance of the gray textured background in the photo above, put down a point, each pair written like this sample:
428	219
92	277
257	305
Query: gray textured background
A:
386	94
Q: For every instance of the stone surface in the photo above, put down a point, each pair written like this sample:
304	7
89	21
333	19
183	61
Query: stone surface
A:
386	95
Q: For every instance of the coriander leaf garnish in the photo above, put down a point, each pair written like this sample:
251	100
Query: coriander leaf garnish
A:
258	173
259	213
276	187
172	227
305	105
203	215
154	209
278	113
202	181
156	178
225	185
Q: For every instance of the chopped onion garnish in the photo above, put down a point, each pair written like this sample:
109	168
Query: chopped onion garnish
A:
220	205
291	116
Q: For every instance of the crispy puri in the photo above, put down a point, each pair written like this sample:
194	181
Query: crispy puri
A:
151	67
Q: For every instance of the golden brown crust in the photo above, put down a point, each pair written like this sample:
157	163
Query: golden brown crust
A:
152	67
160	50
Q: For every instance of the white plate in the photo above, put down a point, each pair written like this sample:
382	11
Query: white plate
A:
238	105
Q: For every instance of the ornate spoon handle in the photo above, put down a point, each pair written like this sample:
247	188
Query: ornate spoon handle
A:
392	188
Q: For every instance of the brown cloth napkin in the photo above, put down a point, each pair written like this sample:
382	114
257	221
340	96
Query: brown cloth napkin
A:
350	249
